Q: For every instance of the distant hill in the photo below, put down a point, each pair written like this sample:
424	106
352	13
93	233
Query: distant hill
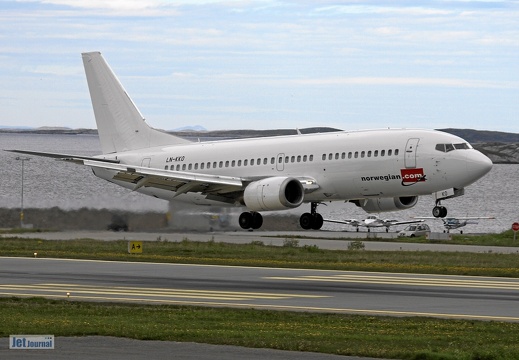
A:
483	136
241	134
500	147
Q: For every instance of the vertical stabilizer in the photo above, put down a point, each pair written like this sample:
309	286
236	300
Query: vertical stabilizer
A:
120	125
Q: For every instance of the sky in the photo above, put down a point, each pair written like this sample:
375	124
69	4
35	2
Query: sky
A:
267	64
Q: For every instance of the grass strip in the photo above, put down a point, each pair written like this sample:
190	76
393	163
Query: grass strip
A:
371	336
259	254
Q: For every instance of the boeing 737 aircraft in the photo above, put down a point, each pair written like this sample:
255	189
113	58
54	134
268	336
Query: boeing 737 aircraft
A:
378	170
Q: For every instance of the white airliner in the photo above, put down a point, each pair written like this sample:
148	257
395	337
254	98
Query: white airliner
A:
372	221
378	170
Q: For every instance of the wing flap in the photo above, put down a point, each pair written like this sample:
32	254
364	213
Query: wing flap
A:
179	182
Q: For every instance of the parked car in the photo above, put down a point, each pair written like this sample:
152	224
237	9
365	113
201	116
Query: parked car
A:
415	230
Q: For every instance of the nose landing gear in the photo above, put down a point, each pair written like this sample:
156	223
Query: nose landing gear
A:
439	211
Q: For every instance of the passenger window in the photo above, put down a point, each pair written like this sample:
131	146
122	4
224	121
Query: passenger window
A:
349	155
227	163
293	159
221	164
244	162
233	163
324	156
273	160
311	158
362	154
196	166
190	166
251	162
239	162
166	167
375	154
305	158
389	152
369	153
356	154
396	152
382	152
183	166
330	156
298	158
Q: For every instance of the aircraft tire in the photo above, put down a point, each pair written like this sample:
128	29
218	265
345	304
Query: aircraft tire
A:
439	211
317	221
257	220
245	220
306	221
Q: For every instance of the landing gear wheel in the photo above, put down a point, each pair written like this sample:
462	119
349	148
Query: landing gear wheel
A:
250	220
306	221
312	220
309	221
439	211
257	220
245	220
317	221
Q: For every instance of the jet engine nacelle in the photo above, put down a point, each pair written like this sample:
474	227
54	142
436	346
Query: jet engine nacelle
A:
274	193
389	204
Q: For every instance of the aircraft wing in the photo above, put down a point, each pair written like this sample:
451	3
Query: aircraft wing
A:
179	182
456	218
392	222
351	222
221	188
64	157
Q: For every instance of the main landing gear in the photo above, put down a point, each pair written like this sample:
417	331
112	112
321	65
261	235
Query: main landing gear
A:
250	220
439	211
312	220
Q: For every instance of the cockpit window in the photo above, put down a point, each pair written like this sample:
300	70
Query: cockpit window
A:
462	146
440	147
451	147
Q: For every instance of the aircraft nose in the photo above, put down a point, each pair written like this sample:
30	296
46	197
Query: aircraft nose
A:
478	165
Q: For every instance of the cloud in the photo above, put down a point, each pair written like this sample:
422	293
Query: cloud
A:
55	70
408	81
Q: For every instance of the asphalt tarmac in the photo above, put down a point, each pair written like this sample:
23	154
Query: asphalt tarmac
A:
104	347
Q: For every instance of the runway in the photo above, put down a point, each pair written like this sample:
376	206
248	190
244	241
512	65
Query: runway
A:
368	293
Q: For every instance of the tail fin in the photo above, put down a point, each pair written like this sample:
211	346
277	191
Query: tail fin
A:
120	125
